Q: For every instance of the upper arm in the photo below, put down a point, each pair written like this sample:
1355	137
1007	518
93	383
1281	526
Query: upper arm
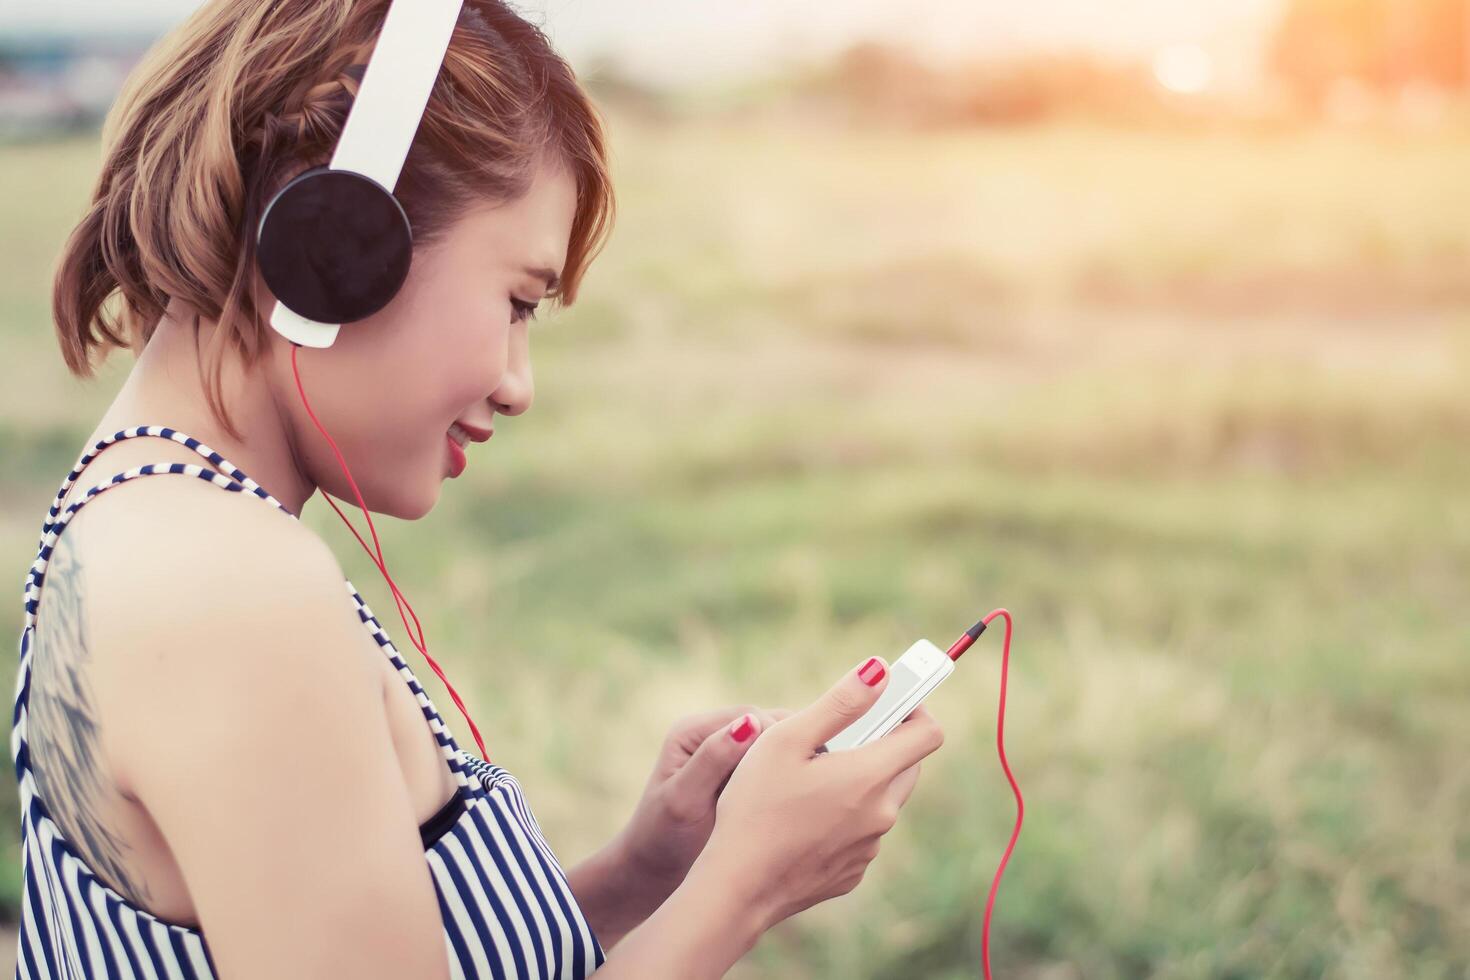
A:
252	728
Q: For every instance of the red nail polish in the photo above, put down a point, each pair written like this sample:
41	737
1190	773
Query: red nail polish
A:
741	729
872	671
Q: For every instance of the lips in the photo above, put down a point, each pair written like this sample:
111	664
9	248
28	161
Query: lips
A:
456	438
471	433
457	459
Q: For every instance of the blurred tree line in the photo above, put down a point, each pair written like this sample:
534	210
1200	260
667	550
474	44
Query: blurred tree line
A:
876	78
1388	45
1317	49
892	81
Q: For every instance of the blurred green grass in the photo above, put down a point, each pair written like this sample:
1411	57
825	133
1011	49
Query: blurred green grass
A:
1192	406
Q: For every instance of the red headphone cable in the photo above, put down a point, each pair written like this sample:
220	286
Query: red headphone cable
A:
960	646
398	597
954	652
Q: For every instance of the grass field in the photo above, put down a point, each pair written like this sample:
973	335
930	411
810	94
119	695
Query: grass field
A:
1193	406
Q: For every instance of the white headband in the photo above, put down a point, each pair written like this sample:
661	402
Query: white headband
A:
385	115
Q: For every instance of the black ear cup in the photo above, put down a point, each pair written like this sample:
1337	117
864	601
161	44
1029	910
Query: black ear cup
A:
334	245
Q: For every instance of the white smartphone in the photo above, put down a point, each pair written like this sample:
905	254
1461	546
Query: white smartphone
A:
911	677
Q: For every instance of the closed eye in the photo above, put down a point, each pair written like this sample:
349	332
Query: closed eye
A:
522	310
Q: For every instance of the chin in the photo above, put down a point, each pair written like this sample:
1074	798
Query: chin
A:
407	503
412	506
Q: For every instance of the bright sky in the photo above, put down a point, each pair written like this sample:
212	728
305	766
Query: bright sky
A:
681	39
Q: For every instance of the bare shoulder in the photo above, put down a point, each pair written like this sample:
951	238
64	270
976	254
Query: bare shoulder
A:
185	590
153	522
239	708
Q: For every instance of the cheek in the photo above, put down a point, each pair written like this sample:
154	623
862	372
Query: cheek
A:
401	387
449	368
387	405
470	360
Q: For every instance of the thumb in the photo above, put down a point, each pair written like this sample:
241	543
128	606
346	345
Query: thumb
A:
844	703
701	778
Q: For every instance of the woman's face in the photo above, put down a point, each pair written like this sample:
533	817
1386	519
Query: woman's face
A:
452	346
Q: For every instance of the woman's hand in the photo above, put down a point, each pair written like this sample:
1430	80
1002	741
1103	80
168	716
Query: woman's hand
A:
795	827
676	815
628	879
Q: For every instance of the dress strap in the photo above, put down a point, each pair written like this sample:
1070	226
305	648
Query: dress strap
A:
57	520
165	432
469	772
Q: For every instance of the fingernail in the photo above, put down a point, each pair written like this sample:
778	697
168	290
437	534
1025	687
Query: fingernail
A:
872	671
741	729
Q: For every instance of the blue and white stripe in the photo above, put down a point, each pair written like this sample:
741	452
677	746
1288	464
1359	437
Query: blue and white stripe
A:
507	908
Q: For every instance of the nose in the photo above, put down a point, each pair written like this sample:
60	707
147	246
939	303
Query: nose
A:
517	388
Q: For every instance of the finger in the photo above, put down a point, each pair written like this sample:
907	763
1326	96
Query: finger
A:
769	716
694	728
914	738
707	721
778	715
841	705
701	779
902	785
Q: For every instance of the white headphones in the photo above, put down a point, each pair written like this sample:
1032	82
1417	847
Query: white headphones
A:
334	245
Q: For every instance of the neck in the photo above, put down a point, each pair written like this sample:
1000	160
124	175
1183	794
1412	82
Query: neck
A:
167	387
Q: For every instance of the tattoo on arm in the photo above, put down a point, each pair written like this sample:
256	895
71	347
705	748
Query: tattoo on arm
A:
62	723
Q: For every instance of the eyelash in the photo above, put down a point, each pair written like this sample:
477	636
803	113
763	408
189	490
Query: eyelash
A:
521	310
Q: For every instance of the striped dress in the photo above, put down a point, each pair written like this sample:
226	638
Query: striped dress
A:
507	909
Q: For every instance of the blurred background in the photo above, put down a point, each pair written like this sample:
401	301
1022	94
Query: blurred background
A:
1150	321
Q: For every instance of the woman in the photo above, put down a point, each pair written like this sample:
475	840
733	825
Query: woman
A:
211	739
